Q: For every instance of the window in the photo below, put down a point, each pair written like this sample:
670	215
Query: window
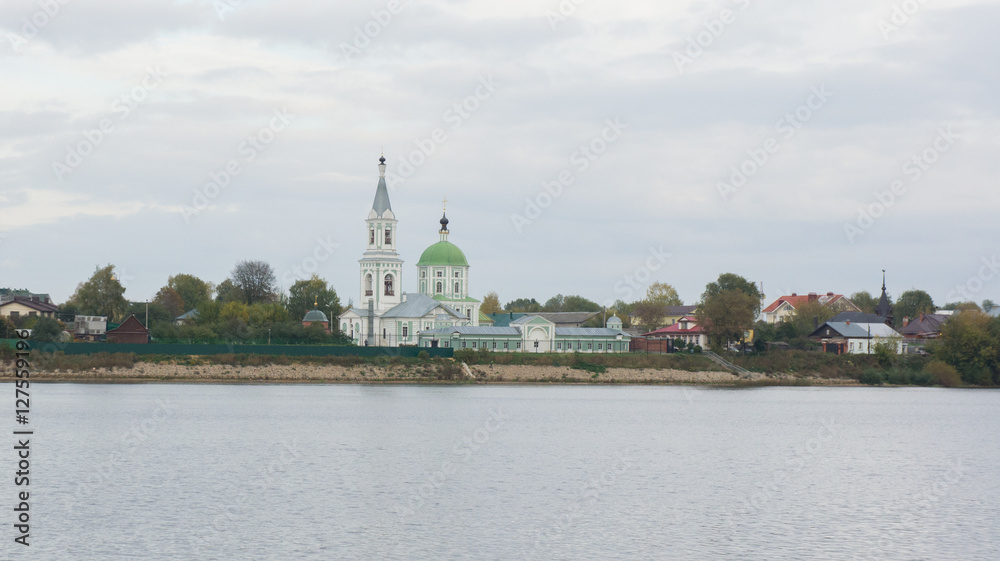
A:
388	236
368	284
558	346
505	344
600	346
371	236
439	288
474	344
32	314
405	331
457	289
536	344
463	344
468	313
447	344
579	346
440	274
423	274
494	344
15	315
458	274
590	346
388	285
519	344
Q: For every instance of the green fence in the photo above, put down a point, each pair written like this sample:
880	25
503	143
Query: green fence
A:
193	349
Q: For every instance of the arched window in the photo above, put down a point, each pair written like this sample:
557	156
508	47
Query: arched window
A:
371	236
388	236
423	287
457	289
439	287
368	285
388	285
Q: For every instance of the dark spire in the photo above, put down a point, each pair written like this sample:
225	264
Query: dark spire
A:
884	309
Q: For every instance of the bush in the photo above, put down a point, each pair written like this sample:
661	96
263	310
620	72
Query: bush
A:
423	355
943	374
697	349
871	377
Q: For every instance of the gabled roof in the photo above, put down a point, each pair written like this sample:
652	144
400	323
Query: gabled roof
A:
193	314
856	330
131	325
858	317
33	304
417	306
796	300
675	329
679	310
995	312
589	332
924	325
531	318
473	330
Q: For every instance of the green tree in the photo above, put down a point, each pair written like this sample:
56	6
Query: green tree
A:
192	290
524	305
663	294
491	303
728	309
7	328
47	330
228	292
865	301
576	303
911	304
623	310
648	313
310	294
962	307
101	295
171	300
256	281
810	314
988	305
970	342
728	282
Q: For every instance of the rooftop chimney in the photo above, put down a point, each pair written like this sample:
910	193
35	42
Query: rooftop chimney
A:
813	297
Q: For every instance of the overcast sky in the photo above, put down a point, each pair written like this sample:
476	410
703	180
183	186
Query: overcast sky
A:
867	134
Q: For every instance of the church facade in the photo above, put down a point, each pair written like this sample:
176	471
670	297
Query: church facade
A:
387	316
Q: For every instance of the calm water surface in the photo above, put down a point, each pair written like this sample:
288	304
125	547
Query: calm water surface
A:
157	472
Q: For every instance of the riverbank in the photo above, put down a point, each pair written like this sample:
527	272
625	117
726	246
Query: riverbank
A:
143	372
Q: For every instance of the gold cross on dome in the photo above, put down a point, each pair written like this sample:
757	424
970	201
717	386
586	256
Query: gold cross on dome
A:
444	204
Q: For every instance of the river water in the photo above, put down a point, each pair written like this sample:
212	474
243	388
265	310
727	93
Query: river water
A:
177	471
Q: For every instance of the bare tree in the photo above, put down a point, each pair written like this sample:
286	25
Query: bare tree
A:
255	280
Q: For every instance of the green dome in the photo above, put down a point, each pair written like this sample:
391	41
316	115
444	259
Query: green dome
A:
315	315
443	253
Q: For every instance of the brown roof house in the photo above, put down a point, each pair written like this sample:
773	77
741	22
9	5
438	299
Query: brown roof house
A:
130	331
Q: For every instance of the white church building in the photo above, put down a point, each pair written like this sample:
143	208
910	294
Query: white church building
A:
387	316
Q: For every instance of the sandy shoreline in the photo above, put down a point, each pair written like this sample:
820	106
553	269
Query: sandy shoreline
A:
497	374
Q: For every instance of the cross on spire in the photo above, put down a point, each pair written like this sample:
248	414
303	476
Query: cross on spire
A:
444	204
